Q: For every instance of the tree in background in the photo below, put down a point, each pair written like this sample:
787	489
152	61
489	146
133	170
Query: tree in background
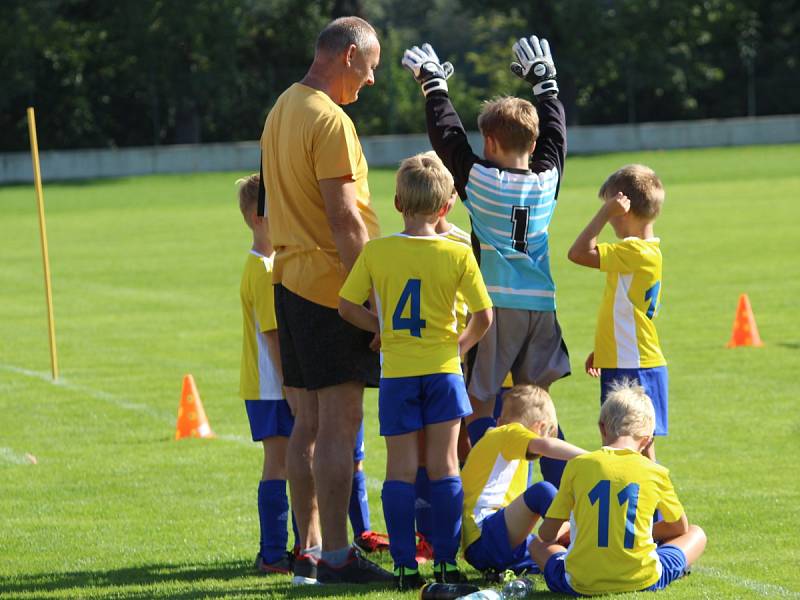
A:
145	72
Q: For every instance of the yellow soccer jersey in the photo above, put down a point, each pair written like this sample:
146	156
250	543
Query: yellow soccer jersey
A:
462	237
609	497
496	472
258	379
416	279
626	336
308	137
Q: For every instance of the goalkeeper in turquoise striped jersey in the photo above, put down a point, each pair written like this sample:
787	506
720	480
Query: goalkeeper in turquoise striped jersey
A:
510	195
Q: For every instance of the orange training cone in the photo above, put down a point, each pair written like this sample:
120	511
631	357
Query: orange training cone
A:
192	421
745	330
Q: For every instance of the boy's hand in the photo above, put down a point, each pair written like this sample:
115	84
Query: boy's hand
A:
375	344
536	66
429	72
589	366
618	205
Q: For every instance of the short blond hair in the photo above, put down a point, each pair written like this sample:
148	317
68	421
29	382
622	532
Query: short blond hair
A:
642	187
248	193
528	403
513	122
424	185
628	411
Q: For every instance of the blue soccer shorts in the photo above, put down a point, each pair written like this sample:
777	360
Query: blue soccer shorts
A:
407	404
269	418
493	551
673	566
655	383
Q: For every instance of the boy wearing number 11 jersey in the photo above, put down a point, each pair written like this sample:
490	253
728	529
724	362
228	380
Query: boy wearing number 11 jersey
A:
415	277
608	497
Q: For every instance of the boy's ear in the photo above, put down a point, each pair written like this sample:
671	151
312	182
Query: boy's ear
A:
397	204
533	147
448	206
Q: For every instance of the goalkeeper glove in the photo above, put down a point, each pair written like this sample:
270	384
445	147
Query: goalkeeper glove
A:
536	66
428	71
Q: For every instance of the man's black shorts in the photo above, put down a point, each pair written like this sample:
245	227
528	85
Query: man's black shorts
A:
319	348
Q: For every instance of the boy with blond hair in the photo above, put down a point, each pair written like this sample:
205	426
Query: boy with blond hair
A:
609	496
260	384
500	509
626	341
415	276
510	196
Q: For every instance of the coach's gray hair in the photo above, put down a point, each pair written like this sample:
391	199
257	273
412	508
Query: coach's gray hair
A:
340	33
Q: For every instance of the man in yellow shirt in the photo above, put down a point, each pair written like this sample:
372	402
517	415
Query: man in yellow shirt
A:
609	497
315	177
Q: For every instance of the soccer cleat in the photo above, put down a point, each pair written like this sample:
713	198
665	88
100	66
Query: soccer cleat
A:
445	572
356	569
282	566
424	550
372	541
305	570
407	579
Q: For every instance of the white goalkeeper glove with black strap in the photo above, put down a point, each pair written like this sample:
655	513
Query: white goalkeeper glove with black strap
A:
429	72
536	66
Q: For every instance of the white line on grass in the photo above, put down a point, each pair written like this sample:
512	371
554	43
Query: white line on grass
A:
769	590
12	456
372	483
91	392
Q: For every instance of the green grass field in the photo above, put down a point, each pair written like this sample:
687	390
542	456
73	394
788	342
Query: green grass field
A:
146	274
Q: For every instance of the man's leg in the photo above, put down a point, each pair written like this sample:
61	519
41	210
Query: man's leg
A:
299	458
340	413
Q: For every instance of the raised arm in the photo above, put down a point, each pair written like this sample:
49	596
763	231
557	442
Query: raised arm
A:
535	65
445	131
584	248
348	229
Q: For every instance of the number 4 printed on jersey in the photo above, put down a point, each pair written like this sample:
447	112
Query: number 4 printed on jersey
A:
410	295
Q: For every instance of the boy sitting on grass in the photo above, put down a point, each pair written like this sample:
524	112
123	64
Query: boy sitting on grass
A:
500	510
609	496
415	276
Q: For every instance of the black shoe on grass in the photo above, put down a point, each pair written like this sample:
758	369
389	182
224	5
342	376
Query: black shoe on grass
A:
445	572
282	566
407	579
356	569
305	570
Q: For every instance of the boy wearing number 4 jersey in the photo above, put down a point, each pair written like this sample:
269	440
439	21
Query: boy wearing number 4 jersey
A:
609	497
626	342
510	195
415	276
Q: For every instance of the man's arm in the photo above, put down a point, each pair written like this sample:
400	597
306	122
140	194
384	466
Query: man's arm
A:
584	249
348	229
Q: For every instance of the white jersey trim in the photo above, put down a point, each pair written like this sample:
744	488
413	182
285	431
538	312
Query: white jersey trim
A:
625	325
504	290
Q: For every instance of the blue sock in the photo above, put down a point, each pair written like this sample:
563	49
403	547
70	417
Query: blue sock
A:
298	545
539	496
422	506
273	512
359	504
552	468
447	502
478	427
398	511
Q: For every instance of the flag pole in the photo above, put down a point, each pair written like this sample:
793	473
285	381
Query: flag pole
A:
37	182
